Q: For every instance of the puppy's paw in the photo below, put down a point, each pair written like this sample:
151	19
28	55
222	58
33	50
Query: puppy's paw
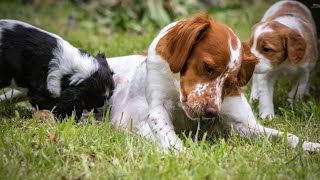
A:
266	115
254	97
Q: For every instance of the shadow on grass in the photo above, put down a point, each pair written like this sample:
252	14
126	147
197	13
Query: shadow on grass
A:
9	109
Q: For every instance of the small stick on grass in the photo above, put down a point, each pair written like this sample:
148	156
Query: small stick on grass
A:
197	132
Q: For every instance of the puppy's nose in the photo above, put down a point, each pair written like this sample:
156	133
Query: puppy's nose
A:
211	111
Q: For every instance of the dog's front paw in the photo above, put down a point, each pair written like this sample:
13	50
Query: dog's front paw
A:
174	145
254	96
310	146
267	115
178	149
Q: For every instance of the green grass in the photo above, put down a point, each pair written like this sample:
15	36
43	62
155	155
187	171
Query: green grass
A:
32	149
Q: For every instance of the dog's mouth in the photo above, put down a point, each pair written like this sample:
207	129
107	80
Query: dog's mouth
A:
198	113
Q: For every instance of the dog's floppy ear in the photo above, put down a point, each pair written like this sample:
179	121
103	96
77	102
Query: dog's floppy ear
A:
176	45
296	47
70	100
248	63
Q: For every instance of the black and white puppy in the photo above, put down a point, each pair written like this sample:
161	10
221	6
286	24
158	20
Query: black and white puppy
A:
50	71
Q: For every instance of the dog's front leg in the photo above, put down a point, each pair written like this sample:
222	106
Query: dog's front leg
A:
163	129
300	87
237	114
265	88
254	89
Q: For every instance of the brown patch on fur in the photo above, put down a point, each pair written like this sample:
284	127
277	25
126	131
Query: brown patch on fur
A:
231	87
296	47
212	51
177	44
248	64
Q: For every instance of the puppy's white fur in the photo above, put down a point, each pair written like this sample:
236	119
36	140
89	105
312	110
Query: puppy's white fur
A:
67	60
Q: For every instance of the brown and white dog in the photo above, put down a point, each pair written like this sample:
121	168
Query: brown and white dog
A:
194	71
285	41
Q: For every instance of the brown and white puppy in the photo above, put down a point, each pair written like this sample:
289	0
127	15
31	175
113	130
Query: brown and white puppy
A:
194	70
285	41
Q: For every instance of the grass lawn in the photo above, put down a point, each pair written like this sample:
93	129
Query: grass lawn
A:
33	149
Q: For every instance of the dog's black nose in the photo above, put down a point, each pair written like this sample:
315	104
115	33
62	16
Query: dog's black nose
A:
211	111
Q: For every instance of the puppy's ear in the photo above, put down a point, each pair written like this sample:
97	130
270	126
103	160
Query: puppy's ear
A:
176	45
101	56
248	64
70	100
296	47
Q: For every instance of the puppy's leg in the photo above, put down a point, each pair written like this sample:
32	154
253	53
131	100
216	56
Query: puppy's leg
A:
14	95
299	87
237	113
265	87
254	90
163	129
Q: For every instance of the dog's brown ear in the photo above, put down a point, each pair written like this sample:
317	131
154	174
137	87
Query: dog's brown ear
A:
176	45
296	47
248	64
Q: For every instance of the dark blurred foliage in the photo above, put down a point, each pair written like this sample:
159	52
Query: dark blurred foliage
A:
314	6
136	14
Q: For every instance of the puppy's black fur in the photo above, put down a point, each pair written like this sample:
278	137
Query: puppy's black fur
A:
25	56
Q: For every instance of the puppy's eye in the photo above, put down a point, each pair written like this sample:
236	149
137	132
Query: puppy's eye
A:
208	69
266	49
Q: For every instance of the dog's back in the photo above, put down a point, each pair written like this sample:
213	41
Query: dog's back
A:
24	49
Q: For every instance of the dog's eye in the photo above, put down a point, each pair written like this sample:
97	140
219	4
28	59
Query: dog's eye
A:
266	49
101	56
208	69
229	84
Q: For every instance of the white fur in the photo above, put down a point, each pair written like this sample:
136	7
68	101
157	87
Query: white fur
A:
235	59
266	75
264	64
291	22
68	60
162	96
275	8
129	92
